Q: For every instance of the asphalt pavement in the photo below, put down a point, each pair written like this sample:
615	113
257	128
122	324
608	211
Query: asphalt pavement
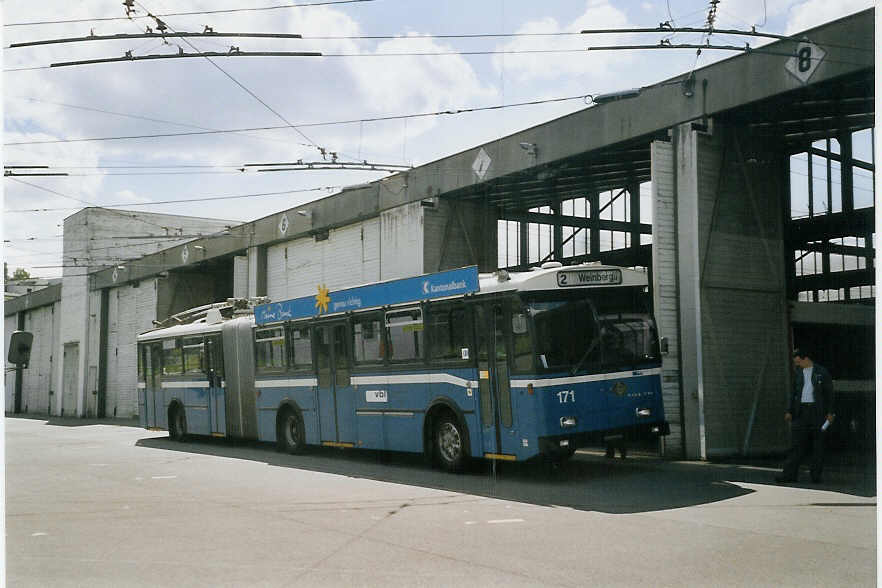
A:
96	504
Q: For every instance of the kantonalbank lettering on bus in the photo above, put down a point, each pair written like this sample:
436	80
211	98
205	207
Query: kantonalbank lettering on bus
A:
456	364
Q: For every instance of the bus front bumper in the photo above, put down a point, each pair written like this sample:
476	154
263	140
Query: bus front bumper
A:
564	444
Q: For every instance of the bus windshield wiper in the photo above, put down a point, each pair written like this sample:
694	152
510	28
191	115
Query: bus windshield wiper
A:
587	353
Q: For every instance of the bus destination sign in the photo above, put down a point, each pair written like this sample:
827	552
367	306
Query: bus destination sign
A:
589	277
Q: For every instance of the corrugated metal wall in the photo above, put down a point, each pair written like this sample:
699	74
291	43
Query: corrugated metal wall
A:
743	310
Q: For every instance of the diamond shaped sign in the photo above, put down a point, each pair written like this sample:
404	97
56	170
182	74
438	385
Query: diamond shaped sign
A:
806	61
481	164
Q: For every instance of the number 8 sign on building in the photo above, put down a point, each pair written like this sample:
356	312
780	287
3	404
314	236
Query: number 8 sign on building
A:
805	61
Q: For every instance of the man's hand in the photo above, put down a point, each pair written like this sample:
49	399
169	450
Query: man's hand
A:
787	417
830	418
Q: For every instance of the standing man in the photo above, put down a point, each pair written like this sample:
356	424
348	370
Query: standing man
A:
810	409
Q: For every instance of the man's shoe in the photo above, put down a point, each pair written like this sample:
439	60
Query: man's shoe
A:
783	479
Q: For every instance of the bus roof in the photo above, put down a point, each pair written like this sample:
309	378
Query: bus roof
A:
554	276
196	328
550	277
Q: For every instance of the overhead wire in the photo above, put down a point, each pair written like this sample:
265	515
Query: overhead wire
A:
144	118
191	13
315	124
409	37
182	200
312	143
92	204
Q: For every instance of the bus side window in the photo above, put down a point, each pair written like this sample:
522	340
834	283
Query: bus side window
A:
269	349
322	356
367	337
172	357
522	345
215	353
449	333
404	333
299	348
142	364
194	355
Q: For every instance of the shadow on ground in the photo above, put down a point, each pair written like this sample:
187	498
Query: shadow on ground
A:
57	421
587	482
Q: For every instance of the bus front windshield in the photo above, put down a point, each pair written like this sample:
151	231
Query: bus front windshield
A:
592	330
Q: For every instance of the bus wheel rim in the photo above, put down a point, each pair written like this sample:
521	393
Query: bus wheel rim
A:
291	430
450	442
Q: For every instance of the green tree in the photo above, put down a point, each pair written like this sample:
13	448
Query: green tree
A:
20	273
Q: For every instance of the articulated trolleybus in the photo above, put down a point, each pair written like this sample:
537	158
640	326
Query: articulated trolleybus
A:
505	366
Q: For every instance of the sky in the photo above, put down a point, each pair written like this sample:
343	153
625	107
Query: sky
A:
356	80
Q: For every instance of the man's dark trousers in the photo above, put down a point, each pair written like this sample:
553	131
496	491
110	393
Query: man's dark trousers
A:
807	436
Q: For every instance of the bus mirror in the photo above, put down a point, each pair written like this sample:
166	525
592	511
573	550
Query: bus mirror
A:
663	345
518	324
20	348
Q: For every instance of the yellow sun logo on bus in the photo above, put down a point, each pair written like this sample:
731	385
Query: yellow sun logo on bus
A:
322	299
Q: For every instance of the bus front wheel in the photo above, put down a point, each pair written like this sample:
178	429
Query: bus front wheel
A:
449	444
289	432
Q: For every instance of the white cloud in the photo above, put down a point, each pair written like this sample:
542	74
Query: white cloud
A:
812	13
527	67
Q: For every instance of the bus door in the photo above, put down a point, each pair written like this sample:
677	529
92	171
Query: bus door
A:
497	425
214	367
152	358
336	397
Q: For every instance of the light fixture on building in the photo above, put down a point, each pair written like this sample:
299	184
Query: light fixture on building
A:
530	148
689	86
613	96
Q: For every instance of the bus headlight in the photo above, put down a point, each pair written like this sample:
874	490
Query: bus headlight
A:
643	412
567	422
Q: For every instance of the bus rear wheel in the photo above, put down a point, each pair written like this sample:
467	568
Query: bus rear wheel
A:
449	444
177	425
289	432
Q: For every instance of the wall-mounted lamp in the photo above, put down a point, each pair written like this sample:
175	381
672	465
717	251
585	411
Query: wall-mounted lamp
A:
613	96
689	86
305	213
530	148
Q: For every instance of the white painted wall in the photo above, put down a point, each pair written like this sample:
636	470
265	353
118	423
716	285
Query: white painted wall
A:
664	287
38	378
131	311
350	256
95	238
383	248
9	326
401	243
240	276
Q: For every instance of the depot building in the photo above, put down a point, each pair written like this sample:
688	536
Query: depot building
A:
744	189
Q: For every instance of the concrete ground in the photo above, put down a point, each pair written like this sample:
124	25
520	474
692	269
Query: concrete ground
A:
91	504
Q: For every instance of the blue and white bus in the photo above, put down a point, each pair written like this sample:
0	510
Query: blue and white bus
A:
506	366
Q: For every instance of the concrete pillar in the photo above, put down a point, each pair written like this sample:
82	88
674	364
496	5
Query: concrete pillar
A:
665	291
257	271
240	276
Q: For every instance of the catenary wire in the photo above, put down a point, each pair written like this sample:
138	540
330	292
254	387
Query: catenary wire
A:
192	13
